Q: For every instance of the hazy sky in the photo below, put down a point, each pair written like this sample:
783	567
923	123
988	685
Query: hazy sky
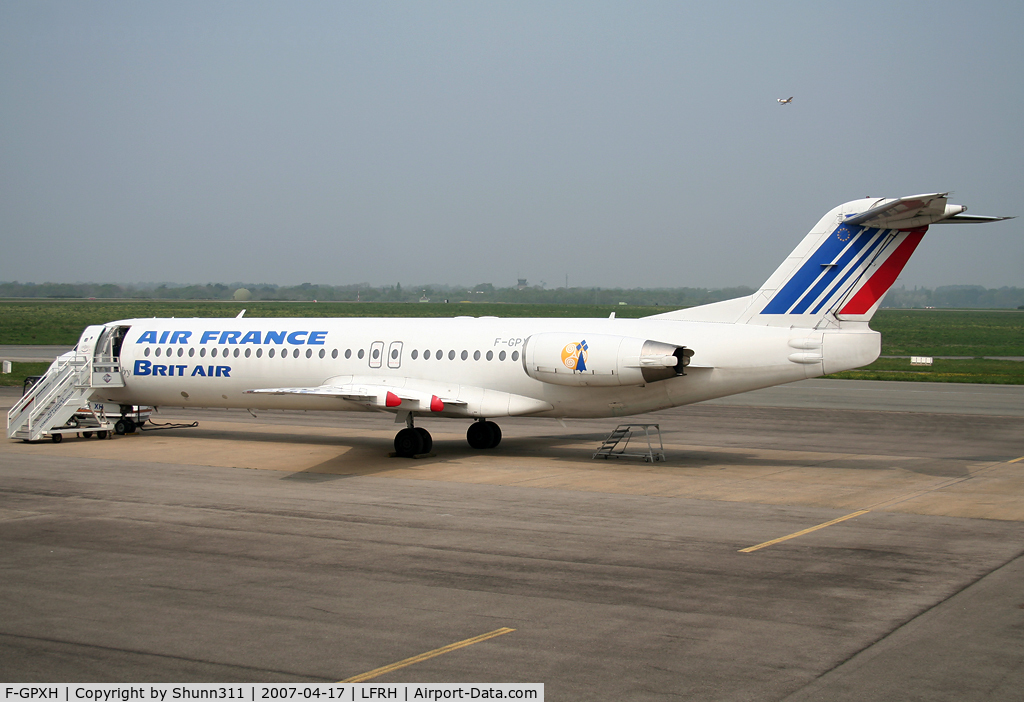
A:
621	144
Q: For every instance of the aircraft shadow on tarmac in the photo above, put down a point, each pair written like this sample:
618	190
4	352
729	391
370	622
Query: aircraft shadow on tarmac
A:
370	455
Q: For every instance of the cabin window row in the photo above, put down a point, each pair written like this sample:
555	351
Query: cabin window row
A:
295	353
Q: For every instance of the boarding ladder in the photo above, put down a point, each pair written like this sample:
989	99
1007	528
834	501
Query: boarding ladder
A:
68	386
623	433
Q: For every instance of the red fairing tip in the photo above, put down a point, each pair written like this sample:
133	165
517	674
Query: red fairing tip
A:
392	400
435	404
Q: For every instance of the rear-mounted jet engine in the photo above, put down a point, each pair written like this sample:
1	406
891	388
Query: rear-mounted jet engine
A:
601	360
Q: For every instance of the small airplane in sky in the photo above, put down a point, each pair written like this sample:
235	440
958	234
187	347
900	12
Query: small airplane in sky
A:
809	318
785	101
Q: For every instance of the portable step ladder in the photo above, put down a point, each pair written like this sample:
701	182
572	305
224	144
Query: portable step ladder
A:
623	433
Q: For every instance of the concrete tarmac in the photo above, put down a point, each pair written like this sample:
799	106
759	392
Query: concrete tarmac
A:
21	353
289	546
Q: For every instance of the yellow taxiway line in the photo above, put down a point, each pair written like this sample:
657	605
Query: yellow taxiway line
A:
751	549
902	498
369	675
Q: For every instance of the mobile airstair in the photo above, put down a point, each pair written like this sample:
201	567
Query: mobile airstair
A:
49	406
617	443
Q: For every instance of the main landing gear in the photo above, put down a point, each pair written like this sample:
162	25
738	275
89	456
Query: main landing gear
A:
483	434
412	440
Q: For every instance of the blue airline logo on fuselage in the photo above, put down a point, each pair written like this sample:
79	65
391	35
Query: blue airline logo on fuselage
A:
144	367
298	338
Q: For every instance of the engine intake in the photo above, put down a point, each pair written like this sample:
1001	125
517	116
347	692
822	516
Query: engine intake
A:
601	360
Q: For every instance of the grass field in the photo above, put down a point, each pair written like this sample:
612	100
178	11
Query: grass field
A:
19	371
972	333
62	321
945	370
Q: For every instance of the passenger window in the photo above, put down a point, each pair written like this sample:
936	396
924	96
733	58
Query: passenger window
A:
202	353
348	353
334	353
181	352
376	353
465	355
415	354
451	355
259	353
501	356
476	355
248	352
295	353
146	352
270	353
426	355
490	355
191	352
322	353
515	355
236	353
309	353
213	353
361	353
156	351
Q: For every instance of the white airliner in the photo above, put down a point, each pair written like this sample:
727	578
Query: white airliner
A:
810	318
785	101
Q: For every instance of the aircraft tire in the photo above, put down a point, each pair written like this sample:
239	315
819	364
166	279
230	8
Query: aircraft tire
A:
480	435
408	443
428	440
120	427
495	434
129	426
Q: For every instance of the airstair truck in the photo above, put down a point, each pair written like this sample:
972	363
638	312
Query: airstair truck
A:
48	409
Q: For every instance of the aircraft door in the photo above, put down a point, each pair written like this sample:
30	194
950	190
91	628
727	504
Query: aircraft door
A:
395	354
376	352
90	339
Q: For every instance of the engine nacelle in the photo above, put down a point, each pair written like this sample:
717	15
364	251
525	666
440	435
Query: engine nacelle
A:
601	359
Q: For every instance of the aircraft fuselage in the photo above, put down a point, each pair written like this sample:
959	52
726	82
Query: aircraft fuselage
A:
477	361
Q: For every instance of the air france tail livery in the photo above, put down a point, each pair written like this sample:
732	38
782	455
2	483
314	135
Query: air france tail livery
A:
810	318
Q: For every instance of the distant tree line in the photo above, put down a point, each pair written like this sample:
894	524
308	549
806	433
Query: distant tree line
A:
949	296
955	296
485	292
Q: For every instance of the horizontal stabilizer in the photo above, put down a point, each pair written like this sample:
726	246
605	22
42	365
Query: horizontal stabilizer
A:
971	219
916	211
906	212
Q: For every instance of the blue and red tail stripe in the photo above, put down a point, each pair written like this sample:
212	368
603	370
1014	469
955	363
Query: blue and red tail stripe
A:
882	279
842	245
877	247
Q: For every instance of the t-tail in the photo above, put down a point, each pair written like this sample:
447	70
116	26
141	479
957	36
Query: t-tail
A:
842	269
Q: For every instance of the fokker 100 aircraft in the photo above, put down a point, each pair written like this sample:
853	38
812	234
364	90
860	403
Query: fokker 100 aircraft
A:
810	318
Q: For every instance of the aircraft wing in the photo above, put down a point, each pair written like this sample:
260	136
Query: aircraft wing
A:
382	396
